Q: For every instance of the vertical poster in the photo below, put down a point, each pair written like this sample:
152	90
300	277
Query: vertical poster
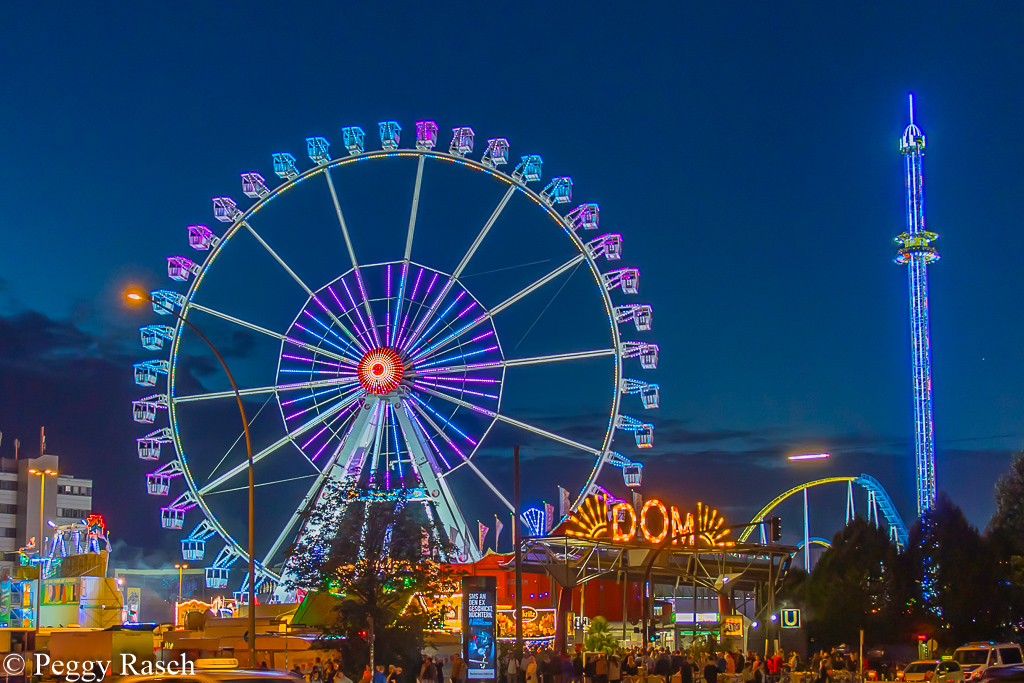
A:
479	626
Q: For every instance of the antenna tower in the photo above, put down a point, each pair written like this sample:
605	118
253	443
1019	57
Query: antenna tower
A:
916	251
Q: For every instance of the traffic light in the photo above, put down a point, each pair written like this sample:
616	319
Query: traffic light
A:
775	529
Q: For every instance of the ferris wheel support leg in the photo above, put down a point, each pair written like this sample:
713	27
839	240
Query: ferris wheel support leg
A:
344	469
287	438
448	511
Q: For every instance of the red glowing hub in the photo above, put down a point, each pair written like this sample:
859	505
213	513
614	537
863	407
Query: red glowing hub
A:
380	370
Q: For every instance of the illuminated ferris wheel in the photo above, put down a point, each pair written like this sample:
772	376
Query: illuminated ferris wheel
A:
392	377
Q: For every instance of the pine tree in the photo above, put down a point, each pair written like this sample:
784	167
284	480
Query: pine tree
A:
1008	521
377	556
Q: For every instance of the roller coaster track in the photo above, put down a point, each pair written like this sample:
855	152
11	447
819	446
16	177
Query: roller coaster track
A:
867	482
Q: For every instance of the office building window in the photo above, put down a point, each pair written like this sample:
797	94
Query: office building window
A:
71	512
69	490
8	533
7	485
8	509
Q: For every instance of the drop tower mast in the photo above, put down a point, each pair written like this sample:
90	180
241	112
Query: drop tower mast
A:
917	252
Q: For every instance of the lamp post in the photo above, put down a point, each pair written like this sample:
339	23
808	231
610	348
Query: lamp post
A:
181	569
139	296
43	474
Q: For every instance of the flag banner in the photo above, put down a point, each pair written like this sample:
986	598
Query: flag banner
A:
482	533
565	504
638	501
497	531
549	518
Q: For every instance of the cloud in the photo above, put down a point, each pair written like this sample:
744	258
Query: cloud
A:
79	386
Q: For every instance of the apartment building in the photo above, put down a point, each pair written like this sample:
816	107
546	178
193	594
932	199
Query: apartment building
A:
24	484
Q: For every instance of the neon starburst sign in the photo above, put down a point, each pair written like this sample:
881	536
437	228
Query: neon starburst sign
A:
590	519
654	522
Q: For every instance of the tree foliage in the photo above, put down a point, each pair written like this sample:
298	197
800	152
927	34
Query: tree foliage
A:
377	556
600	637
1006	531
857	584
946	583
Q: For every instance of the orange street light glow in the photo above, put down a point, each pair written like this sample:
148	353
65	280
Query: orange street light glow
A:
809	456
134	296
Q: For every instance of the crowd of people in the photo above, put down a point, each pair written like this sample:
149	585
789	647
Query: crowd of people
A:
679	666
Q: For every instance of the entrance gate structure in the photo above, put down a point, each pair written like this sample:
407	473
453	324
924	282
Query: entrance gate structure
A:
592	544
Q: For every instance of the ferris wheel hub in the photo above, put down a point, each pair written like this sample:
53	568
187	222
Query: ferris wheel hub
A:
380	370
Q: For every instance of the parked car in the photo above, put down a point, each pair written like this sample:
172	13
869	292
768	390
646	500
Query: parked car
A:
933	671
1012	673
976	658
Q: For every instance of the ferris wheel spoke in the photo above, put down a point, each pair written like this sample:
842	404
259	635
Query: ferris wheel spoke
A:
266	390
351	255
298	280
467	460
511	363
287	438
341	219
483	233
415	209
419	326
511	421
270	333
438	346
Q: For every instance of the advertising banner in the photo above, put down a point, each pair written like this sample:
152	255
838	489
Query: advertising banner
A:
479	626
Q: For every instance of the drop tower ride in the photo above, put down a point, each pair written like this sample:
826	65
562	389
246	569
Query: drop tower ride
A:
917	252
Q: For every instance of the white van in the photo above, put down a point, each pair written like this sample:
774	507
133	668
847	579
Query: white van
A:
976	658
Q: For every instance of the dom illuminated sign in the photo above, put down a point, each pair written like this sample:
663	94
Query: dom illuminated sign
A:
653	523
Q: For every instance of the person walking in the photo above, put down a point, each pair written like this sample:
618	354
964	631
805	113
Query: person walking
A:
568	674
710	670
601	669
428	672
531	671
512	668
614	670
686	670
460	670
577	668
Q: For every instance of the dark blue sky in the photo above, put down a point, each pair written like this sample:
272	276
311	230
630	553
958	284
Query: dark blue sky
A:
747	152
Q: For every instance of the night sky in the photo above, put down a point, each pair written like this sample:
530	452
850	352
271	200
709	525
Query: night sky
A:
747	152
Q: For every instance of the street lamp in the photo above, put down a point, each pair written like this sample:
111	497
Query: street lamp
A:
43	474
807	533
181	568
136	296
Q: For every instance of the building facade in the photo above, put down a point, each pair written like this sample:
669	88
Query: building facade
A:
24	485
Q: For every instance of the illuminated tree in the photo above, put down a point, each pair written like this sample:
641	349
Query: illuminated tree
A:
377	558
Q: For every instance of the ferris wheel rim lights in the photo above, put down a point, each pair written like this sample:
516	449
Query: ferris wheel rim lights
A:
439	354
381	370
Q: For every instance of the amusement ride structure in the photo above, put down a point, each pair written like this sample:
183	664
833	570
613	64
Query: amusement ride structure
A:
391	375
916	251
880	511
